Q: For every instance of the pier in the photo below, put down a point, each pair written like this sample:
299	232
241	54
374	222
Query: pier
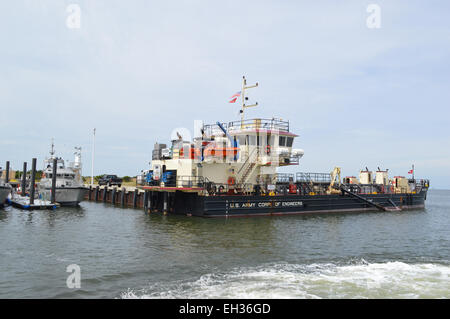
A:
124	196
151	200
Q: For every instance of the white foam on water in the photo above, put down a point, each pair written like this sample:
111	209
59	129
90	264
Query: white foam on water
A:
361	280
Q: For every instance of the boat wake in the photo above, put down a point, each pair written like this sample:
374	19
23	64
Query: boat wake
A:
360	280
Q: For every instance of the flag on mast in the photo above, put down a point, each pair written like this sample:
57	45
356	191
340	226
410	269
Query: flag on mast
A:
234	97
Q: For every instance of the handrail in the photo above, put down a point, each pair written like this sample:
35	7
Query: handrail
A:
273	123
313	177
251	155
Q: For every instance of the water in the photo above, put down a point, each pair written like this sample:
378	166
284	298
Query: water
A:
124	253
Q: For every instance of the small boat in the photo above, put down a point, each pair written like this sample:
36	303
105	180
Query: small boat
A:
69	189
23	202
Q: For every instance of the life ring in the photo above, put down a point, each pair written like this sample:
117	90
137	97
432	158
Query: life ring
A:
231	180
267	149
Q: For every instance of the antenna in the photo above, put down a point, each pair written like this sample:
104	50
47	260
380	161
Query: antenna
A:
52	150
92	164
245	87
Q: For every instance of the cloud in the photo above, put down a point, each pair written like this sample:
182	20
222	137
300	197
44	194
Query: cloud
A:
137	70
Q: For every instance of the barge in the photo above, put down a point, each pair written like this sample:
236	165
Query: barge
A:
231	169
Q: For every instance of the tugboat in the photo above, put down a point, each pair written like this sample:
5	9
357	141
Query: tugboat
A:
230	169
5	190
69	189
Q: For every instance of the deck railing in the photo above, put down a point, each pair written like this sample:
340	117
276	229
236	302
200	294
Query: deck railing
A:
261	124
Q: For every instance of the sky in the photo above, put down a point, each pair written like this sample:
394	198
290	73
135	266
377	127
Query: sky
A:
357	96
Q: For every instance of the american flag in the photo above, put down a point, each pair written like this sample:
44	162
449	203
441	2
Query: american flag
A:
234	97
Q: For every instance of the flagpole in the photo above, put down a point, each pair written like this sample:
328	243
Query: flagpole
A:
92	163
243	100
413	170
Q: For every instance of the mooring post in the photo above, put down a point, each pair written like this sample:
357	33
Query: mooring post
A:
105	188
122	197
90	192
135	198
113	196
150	202
145	201
24	178
33	178
7	172
96	194
165	203
54	170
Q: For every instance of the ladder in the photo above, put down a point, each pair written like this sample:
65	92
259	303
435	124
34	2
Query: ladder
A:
248	167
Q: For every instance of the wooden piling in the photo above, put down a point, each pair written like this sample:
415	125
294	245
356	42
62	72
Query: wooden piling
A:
7	172
122	197
55	167
33	179
24	178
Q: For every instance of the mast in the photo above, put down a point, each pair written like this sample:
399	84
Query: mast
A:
243	106
52	150
92	167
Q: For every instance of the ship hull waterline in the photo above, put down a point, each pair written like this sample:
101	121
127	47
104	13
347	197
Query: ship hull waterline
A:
66	196
182	203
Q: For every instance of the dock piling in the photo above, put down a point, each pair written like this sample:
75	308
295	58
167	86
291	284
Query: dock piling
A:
33	179
7	172
24	178
165	203
135	198
122	197
53	195
113	196
150	202
145	201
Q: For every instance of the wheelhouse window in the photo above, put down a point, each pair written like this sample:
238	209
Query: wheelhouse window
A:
282	141
289	141
241	140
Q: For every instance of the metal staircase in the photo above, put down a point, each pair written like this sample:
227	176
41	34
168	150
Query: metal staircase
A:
248	167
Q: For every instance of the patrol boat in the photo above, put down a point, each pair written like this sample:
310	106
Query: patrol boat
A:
230	169
69	190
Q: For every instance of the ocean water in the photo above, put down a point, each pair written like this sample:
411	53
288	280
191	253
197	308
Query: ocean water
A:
125	253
